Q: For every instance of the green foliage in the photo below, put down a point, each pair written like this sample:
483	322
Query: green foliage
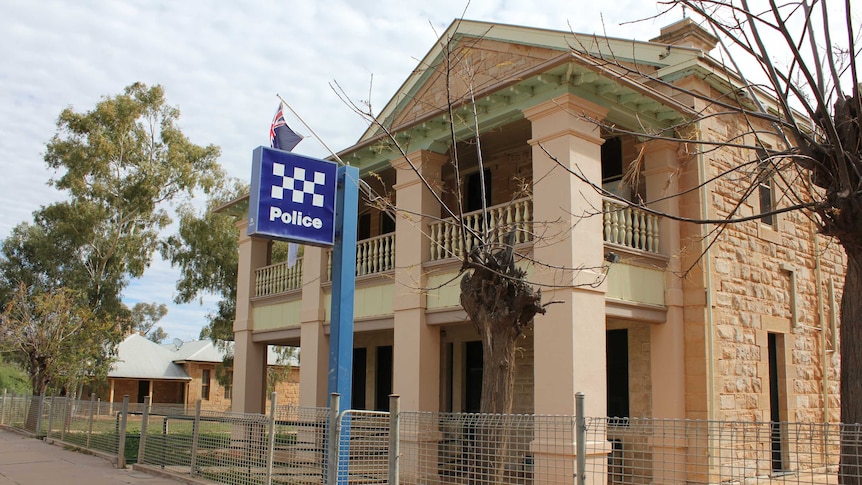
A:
123	164
56	338
13	379
205	251
144	317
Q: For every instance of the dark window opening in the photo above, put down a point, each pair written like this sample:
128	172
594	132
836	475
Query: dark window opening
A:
473	377
205	384
383	378
363	227
774	404
766	201
617	355
764	187
474	191
143	390
357	394
612	160
613	169
387	223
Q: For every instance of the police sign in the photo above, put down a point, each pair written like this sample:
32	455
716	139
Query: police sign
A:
292	197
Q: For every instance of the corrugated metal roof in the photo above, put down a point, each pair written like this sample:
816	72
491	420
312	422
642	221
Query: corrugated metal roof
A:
195	351
206	351
140	358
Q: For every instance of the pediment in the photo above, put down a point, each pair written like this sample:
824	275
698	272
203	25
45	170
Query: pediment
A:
473	66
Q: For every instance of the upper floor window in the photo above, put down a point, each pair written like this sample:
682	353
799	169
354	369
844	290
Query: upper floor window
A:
613	168
765	190
473	193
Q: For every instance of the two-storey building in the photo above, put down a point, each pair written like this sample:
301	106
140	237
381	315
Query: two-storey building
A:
656	316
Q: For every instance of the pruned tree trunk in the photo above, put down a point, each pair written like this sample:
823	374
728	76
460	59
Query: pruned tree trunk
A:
501	304
851	364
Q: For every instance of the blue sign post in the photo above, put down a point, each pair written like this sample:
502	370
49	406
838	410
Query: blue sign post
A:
311	201
343	286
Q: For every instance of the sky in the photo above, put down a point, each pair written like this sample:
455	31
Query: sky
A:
222	64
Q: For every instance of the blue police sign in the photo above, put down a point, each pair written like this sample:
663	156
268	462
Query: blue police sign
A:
292	197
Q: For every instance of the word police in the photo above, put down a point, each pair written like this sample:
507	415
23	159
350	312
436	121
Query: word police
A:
294	218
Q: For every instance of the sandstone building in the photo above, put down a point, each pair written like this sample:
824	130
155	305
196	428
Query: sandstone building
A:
666	319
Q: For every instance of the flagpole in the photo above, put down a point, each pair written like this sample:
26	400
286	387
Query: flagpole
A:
362	183
311	130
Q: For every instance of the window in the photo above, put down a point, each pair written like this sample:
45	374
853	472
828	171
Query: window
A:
363	228
387	223
612	168
205	384
764	188
474	191
617	355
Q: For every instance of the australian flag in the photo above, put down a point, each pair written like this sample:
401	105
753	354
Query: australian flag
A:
280	135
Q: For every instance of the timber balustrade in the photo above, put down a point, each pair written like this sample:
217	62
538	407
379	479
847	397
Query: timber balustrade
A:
630	227
446	240
278	278
622	225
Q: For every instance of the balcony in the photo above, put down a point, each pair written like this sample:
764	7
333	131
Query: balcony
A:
624	226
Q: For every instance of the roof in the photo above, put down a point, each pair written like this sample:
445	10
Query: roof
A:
195	351
140	358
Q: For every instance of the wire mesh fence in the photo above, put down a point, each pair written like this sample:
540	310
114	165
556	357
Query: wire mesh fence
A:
363	447
294	445
703	452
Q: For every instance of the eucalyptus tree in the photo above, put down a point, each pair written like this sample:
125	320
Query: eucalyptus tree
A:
121	165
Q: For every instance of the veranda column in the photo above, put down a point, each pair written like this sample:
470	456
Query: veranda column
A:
569	340
314	344
416	349
249	363
667	349
417	346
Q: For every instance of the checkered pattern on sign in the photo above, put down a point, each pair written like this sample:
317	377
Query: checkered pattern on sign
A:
297	185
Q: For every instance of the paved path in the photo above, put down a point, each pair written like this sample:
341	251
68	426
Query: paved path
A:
28	461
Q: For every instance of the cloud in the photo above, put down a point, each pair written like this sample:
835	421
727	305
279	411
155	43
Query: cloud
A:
222	64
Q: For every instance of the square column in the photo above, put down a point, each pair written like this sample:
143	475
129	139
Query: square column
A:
313	342
249	362
417	346
667	340
569	340
416	350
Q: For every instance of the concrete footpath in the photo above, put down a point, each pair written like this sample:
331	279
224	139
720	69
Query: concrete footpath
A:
29	461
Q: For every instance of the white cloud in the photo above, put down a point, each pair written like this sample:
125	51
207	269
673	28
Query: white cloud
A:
222	63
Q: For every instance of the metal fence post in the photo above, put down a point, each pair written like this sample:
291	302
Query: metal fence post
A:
3	406
581	438
142	442
195	436
394	438
332	452
270	445
39	415
90	419
121	442
66	417
51	418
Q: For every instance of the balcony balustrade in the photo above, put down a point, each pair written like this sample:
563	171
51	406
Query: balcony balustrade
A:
373	255
446	240
623	225
630	227
278	278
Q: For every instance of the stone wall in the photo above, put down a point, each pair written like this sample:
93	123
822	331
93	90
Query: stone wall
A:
768	279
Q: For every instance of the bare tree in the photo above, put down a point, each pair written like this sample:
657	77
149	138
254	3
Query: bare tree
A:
793	92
